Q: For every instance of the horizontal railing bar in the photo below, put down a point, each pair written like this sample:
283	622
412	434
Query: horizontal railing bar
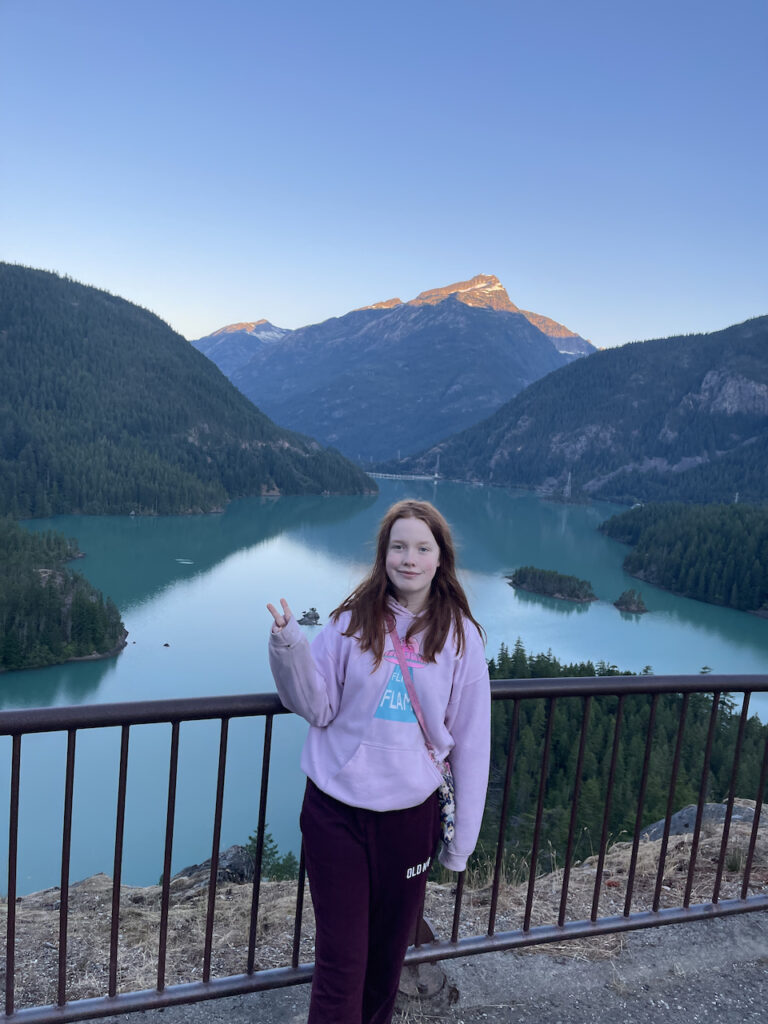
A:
591	686
172	995
542	934
147	712
282	977
195	709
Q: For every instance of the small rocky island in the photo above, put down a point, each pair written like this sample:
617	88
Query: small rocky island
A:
551	584
631	601
310	618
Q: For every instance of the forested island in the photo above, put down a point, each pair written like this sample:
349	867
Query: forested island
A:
48	613
714	553
568	712
551	584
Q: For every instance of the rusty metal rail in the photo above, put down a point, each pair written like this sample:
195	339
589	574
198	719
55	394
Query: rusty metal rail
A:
71	720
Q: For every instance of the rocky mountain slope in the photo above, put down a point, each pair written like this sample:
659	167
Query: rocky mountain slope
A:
683	417
395	376
485	290
105	409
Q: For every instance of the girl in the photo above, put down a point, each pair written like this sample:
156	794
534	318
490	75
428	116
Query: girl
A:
370	818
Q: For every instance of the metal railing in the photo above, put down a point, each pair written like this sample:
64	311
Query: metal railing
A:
71	720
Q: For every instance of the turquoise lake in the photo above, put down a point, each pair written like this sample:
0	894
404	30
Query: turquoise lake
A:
199	584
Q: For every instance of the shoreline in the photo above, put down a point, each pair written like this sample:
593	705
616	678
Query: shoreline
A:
94	656
557	597
761	613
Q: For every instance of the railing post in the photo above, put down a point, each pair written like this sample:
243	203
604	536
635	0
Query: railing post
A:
169	825
118	864
259	842
66	845
607	812
731	797
215	849
640	803
702	797
13	848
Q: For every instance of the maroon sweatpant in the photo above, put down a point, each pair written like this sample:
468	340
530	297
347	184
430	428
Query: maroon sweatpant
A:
367	872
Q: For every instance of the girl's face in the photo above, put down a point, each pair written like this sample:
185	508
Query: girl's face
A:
413	556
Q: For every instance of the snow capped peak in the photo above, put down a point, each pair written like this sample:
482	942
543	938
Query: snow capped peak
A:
387	304
481	290
486	291
245	326
261	330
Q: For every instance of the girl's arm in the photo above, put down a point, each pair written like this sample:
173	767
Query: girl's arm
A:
468	719
310	682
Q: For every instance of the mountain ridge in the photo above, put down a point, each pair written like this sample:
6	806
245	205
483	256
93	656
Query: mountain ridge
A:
482	290
375	381
392	376
683	417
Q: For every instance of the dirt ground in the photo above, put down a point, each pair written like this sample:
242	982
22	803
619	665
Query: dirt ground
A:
709	972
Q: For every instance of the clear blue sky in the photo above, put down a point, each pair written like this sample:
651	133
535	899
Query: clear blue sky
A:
239	159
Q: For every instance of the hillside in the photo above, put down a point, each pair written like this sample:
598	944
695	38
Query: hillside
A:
675	418
105	409
395	376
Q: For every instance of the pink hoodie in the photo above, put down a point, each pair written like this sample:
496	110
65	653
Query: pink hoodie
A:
365	746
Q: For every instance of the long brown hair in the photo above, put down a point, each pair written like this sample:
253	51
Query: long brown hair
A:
369	601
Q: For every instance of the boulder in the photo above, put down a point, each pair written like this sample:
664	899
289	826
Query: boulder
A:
684	820
235	865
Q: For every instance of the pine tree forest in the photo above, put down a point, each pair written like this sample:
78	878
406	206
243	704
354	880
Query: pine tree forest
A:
714	553
104	409
603	720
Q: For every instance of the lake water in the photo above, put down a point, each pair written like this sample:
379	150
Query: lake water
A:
199	584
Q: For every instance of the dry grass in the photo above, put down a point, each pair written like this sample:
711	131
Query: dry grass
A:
613	888
88	941
37	916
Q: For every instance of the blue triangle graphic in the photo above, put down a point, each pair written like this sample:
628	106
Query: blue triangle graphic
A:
395	703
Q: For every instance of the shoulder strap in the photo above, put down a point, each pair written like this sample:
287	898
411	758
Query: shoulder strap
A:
392	628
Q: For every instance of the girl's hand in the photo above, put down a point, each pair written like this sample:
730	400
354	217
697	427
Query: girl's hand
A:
280	619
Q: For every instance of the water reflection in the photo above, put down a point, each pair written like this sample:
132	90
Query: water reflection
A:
134	558
72	683
630	616
497	530
552	604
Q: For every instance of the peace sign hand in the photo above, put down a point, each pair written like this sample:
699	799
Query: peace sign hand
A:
280	619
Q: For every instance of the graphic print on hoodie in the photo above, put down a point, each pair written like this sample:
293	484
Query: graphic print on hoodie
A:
395	704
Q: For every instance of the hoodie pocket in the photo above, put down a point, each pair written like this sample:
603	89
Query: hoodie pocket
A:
383	779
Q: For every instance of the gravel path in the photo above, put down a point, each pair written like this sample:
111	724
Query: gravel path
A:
707	972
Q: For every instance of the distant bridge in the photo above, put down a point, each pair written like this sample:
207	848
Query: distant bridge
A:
403	476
